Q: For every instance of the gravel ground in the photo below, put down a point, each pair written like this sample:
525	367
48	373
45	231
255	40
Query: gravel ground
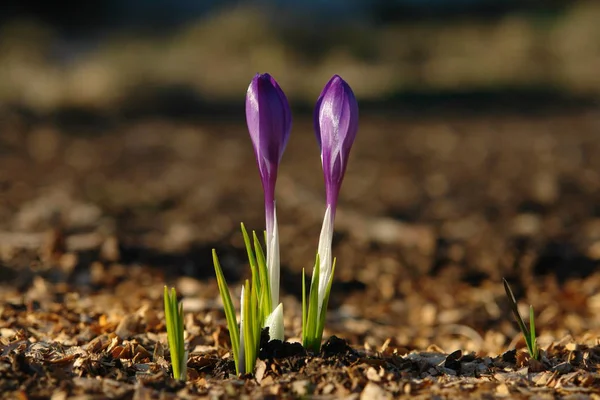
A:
95	217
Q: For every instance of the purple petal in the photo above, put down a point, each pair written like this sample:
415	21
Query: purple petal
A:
269	121
336	125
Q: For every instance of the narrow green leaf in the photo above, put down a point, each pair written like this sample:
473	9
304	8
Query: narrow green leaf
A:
175	332
306	328
304	311
534	351
515	309
232	325
168	316
263	311
313	308
257	278
257	319
256	285
322	318
182	353
175	355
249	342
264	277
253	317
170	331
172	335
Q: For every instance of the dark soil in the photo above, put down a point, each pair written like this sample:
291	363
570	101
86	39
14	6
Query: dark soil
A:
96	217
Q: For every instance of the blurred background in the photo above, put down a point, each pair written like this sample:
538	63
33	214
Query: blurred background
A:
183	56
123	145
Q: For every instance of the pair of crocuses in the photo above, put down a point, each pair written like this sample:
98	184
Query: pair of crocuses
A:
269	122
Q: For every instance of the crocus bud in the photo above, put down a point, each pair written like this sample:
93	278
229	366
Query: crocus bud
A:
336	124
269	122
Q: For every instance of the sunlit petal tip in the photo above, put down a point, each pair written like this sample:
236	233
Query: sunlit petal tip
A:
275	323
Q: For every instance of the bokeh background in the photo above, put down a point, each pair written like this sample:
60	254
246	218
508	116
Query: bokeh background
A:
124	159
180	55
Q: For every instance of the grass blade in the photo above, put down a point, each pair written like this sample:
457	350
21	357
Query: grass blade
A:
229	310
175	332
256	284
534	351
170	330
515	309
182	352
322	317
256	316
248	329
304	311
313	306
176	354
265	296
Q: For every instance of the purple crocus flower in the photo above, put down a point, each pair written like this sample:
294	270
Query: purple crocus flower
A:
336	124
269	121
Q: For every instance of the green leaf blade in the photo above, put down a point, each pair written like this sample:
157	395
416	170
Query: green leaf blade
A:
534	351
248	329
256	284
304	310
528	334
232	325
313	307
175	333
322	317
263	276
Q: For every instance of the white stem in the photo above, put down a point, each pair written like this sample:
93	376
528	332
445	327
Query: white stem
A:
275	323
273	262
324	251
242	358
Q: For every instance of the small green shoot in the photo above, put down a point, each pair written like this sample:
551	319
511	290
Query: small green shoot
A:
313	324
528	334
175	330
255	305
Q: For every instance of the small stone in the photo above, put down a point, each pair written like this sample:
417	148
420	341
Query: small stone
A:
373	391
372	375
259	370
502	390
300	388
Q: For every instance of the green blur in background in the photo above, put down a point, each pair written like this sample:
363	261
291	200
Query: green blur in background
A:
215	55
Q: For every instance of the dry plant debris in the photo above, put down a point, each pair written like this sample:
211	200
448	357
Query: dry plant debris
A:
95	225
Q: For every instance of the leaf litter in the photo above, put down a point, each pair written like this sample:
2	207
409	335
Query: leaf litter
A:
418	310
